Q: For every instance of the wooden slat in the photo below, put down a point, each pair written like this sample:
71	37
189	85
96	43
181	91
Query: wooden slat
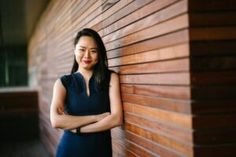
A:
116	7
131	7
163	28
179	147
133	147
173	52
148	144
152	44
162	78
158	102
175	92
154	12
182	135
180	65
168	118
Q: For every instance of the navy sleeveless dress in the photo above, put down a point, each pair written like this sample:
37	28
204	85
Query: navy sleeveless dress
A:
77	102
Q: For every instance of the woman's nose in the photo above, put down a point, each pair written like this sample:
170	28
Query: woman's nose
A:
87	54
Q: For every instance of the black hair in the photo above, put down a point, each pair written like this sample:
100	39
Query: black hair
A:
101	68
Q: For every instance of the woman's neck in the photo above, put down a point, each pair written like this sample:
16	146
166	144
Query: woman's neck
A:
86	73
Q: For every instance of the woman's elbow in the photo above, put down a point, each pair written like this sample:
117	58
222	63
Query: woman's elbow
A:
54	122
118	120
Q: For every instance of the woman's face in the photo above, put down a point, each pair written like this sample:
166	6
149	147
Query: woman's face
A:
86	53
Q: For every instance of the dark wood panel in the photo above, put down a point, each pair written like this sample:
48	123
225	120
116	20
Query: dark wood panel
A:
214	136
209	106
225	150
214	121
213	19
214	92
212	33
210	63
221	47
214	78
211	5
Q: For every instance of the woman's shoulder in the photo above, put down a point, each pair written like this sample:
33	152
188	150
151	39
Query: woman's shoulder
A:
112	72
113	76
66	79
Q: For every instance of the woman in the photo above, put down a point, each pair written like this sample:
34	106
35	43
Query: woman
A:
86	104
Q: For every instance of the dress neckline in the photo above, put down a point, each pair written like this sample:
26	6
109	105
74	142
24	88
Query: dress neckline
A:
88	94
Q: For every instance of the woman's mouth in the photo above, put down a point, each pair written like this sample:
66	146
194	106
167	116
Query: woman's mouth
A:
87	62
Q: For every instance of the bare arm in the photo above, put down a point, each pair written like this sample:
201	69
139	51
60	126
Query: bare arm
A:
115	118
64	121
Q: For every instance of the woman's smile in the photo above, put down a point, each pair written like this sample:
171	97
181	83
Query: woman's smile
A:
87	61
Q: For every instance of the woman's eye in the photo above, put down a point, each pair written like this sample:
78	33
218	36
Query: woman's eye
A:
81	50
94	51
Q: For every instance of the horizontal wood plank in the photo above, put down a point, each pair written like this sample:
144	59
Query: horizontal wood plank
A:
159	79
152	44
166	117
175	92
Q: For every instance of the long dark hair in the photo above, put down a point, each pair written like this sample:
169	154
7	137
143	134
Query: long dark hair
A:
101	68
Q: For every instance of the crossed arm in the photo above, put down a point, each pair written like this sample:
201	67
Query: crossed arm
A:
90	123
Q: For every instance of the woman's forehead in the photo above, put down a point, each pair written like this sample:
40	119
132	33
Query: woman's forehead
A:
87	42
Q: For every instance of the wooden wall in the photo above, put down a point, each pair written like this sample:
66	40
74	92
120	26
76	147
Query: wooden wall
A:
176	86
213	76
